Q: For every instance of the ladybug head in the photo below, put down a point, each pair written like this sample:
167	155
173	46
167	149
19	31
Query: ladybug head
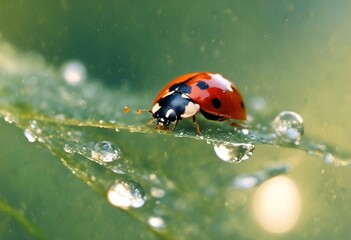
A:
164	116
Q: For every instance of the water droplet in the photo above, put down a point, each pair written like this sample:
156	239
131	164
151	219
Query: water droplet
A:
9	119
105	152
74	72
288	127
157	192
156	222
68	149
126	194
153	177
126	109
328	158
30	137
245	131
247	181
234	152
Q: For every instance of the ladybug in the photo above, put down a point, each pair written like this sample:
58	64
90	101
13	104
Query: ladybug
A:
209	93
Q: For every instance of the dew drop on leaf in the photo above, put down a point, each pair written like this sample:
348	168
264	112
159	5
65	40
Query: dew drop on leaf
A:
125	194
126	109
30	137
68	149
105	152
157	192
288	127
248	181
234	152
156	222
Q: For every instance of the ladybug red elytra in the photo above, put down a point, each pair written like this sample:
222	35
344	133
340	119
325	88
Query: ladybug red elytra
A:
209	93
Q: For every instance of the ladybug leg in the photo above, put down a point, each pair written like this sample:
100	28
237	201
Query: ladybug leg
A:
150	122
175	125
196	126
238	123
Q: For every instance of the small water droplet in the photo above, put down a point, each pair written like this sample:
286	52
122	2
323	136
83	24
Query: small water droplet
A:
157	192
288	127
105	152
234	152
156	222
126	194
74	72
245	131
328	158
246	181
30	137
9	119
126	109
68	149
153	177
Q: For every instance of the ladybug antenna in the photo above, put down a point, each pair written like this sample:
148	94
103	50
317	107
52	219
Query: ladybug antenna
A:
140	111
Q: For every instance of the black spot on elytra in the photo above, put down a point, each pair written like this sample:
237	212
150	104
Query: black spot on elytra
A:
216	103
202	85
242	105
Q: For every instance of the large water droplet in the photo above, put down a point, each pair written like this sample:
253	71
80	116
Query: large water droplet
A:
234	152
288	127
105	152
126	194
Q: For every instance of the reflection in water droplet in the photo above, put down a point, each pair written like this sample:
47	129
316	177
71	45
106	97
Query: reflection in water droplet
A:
288	127
105	152
74	72
234	152
30	137
156	222
126	194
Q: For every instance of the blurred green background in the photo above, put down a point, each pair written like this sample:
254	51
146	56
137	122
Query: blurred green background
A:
294	54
